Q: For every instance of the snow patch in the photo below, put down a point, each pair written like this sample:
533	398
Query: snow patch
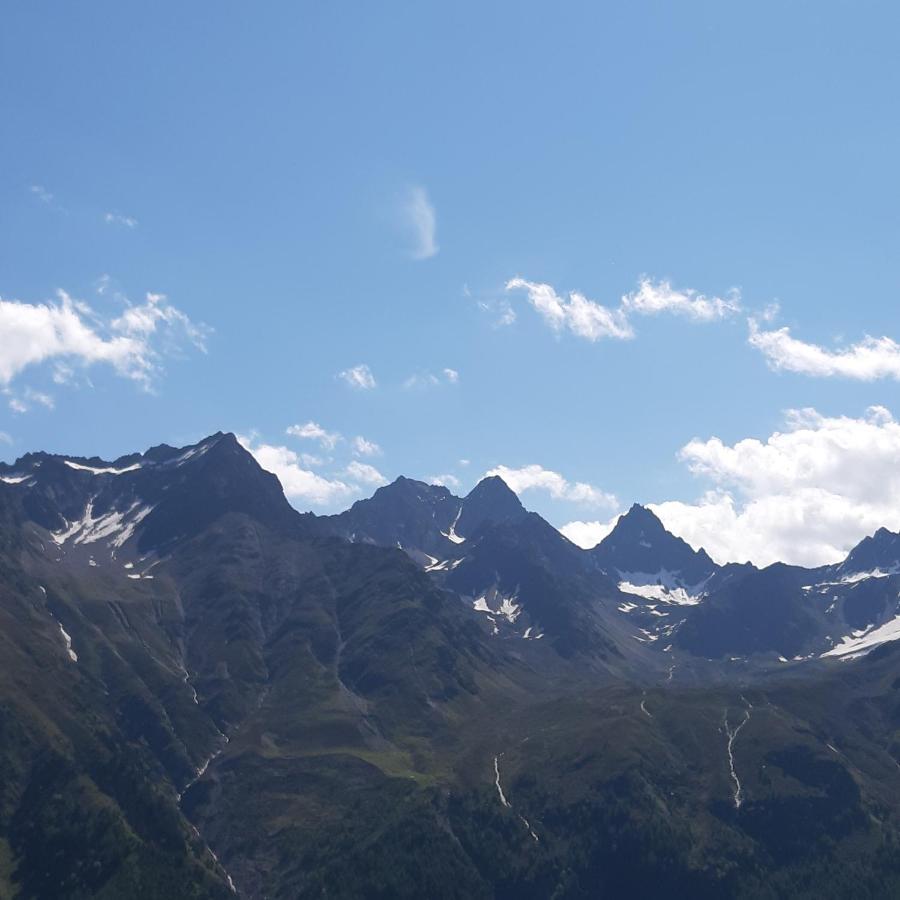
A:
14	479
496	604
859	643
451	533
101	471
445	565
67	639
118	526
663	586
854	578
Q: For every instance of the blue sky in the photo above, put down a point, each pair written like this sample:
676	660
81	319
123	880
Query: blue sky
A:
315	187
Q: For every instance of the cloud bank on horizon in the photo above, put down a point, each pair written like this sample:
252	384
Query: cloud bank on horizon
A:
805	495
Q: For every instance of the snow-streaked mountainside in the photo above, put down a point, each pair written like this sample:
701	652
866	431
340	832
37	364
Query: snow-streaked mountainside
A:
640	573
220	686
523	577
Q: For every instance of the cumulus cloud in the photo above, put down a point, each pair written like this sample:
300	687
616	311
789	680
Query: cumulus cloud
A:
315	432
365	474
446	480
420	221
69	333
359	377
300	485
805	495
537	478
593	321
869	359
588	534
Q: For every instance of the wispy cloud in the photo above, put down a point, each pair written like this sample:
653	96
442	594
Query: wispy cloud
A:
363	447
112	218
500	309
359	377
42	194
420	221
421	380
315	432
21	402
593	321
868	360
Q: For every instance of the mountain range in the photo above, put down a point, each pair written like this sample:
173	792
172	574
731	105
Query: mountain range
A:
206	693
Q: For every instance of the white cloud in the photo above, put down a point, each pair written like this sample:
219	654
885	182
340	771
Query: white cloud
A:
500	309
5	438
300	485
429	379
20	403
593	321
869	359
805	495
315	432
70	332
447	481
41	193
112	218
588	534
650	299
420	220
365	474
579	315
535	477
359	377
363	447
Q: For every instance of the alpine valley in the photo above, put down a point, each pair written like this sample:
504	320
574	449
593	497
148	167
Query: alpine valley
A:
204	693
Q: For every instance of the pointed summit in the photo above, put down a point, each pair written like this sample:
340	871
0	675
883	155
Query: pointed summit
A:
880	551
491	500
639	519
639	543
406	513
